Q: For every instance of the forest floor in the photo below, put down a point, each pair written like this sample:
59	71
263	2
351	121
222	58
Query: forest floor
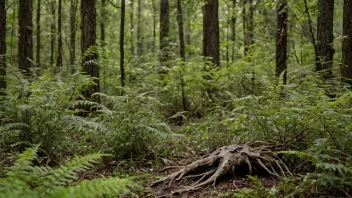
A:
226	187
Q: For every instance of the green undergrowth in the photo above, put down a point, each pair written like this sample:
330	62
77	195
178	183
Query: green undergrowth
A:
25	179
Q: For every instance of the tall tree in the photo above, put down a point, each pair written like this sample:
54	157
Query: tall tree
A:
88	41
73	28
180	30
233	28
25	41
59	41
325	37
122	41
248	25
53	32
38	32
2	45
164	30
346	68
102	24
139	29
154	25
182	50
211	45
132	27
281	39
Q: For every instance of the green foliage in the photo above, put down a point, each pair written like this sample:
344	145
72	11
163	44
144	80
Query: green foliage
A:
129	125
24	179
40	111
332	167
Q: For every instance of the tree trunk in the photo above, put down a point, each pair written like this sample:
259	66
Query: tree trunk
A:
59	41
88	42
281	40
325	38
211	44
139	30
346	68
132	27
38	33
182	51
2	45
154	25
73	28
122	41
25	41
102	24
164	30
233	28
248	26
53	32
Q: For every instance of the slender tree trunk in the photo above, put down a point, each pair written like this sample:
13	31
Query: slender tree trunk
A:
59	41
25	41
164	30
73	29
248	26
154	26
122	41
53	32
281	40
311	31
182	51
2	46
88	42
102	24
180	30
325	37
132	27
346	68
38	33
211	31
233	28
139	30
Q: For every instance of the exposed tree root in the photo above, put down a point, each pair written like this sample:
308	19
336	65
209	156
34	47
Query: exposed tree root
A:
225	160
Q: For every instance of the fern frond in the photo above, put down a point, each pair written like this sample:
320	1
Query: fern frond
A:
93	188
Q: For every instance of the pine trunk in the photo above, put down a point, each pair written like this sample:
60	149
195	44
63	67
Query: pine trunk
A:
2	45
281	40
325	38
211	31
346	68
88	43
25	41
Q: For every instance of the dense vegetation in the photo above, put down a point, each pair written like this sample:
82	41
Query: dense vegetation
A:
134	91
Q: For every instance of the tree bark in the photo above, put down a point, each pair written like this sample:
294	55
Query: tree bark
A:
164	30
2	46
132	27
211	41
73	29
154	25
182	51
53	32
122	41
59	41
25	41
38	33
139	30
325	38
248	26
281	40
233	28
102	24
346	68
88	42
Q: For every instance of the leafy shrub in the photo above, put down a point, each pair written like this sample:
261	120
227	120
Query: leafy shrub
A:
40	111
27	180
129	126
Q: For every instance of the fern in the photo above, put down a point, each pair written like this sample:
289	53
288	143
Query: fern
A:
25	180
